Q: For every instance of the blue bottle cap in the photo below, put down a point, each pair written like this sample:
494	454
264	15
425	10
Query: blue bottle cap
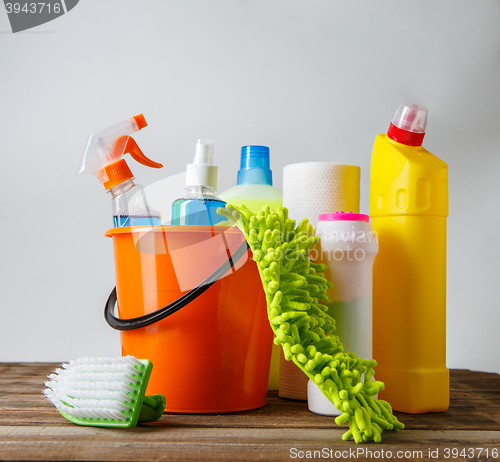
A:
254	166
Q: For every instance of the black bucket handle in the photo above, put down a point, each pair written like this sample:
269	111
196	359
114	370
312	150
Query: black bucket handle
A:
162	313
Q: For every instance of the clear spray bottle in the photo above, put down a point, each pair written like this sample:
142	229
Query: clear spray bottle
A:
103	157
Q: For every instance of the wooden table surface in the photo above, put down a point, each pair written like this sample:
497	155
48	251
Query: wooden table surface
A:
32	429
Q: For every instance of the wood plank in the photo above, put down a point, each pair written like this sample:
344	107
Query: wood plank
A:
150	443
464	418
32	429
468	410
32	393
474	380
459	417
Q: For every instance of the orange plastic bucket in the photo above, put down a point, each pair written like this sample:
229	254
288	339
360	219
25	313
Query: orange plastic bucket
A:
213	354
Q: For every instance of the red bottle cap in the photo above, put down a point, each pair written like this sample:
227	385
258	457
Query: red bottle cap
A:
408	124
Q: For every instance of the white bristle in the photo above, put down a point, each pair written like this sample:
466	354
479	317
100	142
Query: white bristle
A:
123	360
92	394
88	385
94	413
93	403
129	368
95	388
95	376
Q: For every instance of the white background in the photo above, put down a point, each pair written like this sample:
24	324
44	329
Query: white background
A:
314	80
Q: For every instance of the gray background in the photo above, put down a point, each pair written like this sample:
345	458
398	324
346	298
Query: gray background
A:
314	80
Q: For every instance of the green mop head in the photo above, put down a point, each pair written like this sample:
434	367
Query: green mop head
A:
295	291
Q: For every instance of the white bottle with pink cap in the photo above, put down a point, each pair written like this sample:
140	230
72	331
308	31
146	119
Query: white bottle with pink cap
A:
348	247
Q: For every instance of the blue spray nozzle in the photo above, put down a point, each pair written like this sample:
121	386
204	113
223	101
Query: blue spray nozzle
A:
254	166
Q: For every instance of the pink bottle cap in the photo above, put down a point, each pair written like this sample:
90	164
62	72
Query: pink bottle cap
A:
344	216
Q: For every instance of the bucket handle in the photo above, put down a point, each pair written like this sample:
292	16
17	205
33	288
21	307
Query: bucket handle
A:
162	313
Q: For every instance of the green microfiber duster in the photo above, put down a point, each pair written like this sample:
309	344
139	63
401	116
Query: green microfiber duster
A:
295	291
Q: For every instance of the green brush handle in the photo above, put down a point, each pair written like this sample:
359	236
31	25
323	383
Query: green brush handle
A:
152	408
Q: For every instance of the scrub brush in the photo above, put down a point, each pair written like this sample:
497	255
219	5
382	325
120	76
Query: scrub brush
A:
104	392
295	291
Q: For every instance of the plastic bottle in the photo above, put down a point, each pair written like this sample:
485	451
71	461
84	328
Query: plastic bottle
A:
348	246
408	207
130	207
254	189
254	185
103	157
199	205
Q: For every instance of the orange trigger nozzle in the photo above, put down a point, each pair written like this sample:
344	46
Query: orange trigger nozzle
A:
140	121
127	144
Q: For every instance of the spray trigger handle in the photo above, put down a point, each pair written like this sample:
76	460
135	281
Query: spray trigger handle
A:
127	145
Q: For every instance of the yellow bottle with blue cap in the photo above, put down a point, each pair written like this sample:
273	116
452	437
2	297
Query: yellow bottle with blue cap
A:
409	209
254	189
254	185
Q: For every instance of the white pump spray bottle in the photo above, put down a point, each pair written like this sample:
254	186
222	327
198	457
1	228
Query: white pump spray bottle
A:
199	205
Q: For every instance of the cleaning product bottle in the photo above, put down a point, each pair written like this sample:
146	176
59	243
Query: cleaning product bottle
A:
254	185
254	189
347	246
103	157
408	207
199	205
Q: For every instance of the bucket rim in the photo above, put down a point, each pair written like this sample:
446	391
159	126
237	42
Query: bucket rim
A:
171	229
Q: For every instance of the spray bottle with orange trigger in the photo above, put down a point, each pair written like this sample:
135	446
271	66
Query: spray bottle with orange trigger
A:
103	157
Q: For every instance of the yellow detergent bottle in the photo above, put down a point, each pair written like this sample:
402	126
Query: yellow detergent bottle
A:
254	189
409	208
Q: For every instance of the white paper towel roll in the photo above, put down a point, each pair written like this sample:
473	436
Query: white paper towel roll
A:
313	188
